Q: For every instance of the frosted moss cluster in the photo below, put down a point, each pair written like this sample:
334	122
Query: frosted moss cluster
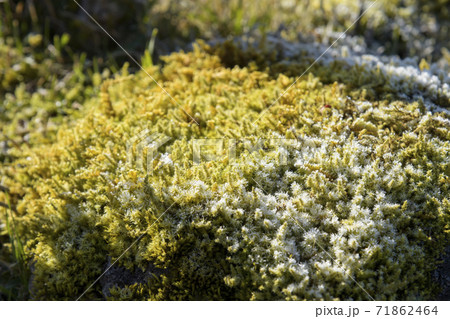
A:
359	210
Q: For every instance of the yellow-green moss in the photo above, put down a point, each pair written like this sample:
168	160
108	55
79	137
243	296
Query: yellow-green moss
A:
366	183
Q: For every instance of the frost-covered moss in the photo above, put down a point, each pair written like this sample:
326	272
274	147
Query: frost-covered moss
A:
358	192
39	89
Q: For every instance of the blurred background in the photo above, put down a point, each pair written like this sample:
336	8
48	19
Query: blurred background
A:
401	27
53	57
36	30
41	41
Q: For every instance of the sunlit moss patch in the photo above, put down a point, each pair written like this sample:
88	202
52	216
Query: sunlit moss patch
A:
357	189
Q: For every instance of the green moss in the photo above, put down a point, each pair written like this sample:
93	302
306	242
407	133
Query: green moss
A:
39	90
363	194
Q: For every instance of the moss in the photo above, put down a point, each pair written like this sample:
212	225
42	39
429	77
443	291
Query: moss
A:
39	90
357	190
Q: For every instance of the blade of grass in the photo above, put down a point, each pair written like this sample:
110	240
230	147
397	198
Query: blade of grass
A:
17	248
147	59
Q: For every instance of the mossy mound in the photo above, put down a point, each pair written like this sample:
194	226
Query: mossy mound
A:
336	191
